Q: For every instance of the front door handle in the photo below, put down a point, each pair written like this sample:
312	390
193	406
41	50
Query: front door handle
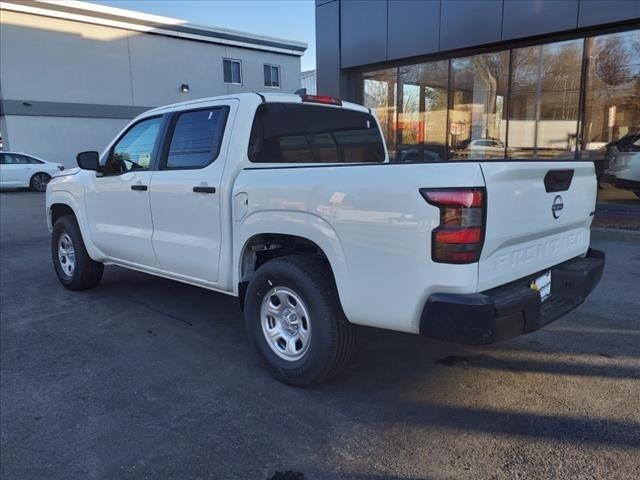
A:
204	189
142	188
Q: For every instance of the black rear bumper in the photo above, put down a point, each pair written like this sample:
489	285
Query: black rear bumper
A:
513	309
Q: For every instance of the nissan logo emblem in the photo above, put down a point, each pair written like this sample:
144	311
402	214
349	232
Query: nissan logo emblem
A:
557	206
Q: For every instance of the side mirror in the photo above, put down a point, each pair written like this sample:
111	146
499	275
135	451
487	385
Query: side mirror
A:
89	160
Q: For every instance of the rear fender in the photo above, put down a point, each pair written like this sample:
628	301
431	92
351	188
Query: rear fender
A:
300	224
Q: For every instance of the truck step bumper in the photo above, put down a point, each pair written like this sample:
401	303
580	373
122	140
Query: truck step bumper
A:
513	309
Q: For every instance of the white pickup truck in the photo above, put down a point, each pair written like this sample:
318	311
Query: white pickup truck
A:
290	203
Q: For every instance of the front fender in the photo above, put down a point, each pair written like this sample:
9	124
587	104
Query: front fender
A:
300	224
67	198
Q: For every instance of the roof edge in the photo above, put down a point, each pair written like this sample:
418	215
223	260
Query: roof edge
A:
132	20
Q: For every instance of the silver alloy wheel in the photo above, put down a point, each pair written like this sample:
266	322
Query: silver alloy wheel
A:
66	254
285	323
39	181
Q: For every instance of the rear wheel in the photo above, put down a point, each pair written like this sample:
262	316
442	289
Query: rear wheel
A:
75	269
39	181
294	320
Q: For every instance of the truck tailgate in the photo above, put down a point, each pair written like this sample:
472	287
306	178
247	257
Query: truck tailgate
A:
538	215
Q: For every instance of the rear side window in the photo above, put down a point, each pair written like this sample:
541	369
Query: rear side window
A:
196	138
300	133
31	160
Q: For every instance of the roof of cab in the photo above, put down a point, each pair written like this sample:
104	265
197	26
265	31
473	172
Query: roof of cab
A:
268	97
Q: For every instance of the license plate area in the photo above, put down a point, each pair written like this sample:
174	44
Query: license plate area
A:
542	285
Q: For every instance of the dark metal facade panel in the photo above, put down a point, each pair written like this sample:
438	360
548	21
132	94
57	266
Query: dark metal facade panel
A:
467	23
363	31
63	109
596	12
328	48
414	28
527	18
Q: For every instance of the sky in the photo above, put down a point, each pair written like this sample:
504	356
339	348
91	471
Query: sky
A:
289	19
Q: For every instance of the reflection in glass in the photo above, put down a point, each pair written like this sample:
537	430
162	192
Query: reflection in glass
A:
545	97
422	116
477	117
612	100
544	108
379	93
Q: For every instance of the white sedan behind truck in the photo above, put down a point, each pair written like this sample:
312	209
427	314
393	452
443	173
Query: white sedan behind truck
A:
291	203
19	170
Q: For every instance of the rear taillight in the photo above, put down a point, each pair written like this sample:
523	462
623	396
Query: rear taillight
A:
459	237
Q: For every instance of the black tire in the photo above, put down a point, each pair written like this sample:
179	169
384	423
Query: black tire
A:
332	338
38	182
87	273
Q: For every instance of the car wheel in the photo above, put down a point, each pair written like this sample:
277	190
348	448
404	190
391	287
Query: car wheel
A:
75	269
294	320
39	182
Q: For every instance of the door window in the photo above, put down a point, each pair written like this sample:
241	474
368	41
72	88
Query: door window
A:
196	138
134	150
13	159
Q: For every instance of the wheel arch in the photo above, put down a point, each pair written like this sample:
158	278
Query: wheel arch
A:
60	203
263	239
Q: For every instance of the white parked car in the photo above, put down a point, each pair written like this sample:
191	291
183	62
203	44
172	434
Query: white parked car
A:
290	203
623	163
18	170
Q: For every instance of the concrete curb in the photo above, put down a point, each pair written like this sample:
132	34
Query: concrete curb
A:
615	234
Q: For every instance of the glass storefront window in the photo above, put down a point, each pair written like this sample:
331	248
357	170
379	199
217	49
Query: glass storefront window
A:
477	116
522	103
379	93
544	100
612	107
422	113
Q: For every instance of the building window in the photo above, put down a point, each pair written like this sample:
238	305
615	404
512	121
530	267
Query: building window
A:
612	101
545	98
523	103
477	115
232	71
379	93
422	112
271	76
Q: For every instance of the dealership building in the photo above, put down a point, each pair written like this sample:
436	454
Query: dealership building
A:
72	74
455	79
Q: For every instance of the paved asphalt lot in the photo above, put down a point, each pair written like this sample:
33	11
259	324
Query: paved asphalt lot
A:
146	378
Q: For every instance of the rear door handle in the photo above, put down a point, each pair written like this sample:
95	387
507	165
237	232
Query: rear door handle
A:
204	189
142	188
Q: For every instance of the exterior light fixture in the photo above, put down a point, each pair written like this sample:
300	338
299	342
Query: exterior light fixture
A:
184	88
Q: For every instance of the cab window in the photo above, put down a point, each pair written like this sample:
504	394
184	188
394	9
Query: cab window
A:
134	150
196	138
300	133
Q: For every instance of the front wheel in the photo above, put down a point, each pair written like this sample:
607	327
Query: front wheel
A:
75	269
39	182
294	320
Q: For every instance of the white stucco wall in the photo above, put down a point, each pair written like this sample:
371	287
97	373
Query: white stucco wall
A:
45	59
59	139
